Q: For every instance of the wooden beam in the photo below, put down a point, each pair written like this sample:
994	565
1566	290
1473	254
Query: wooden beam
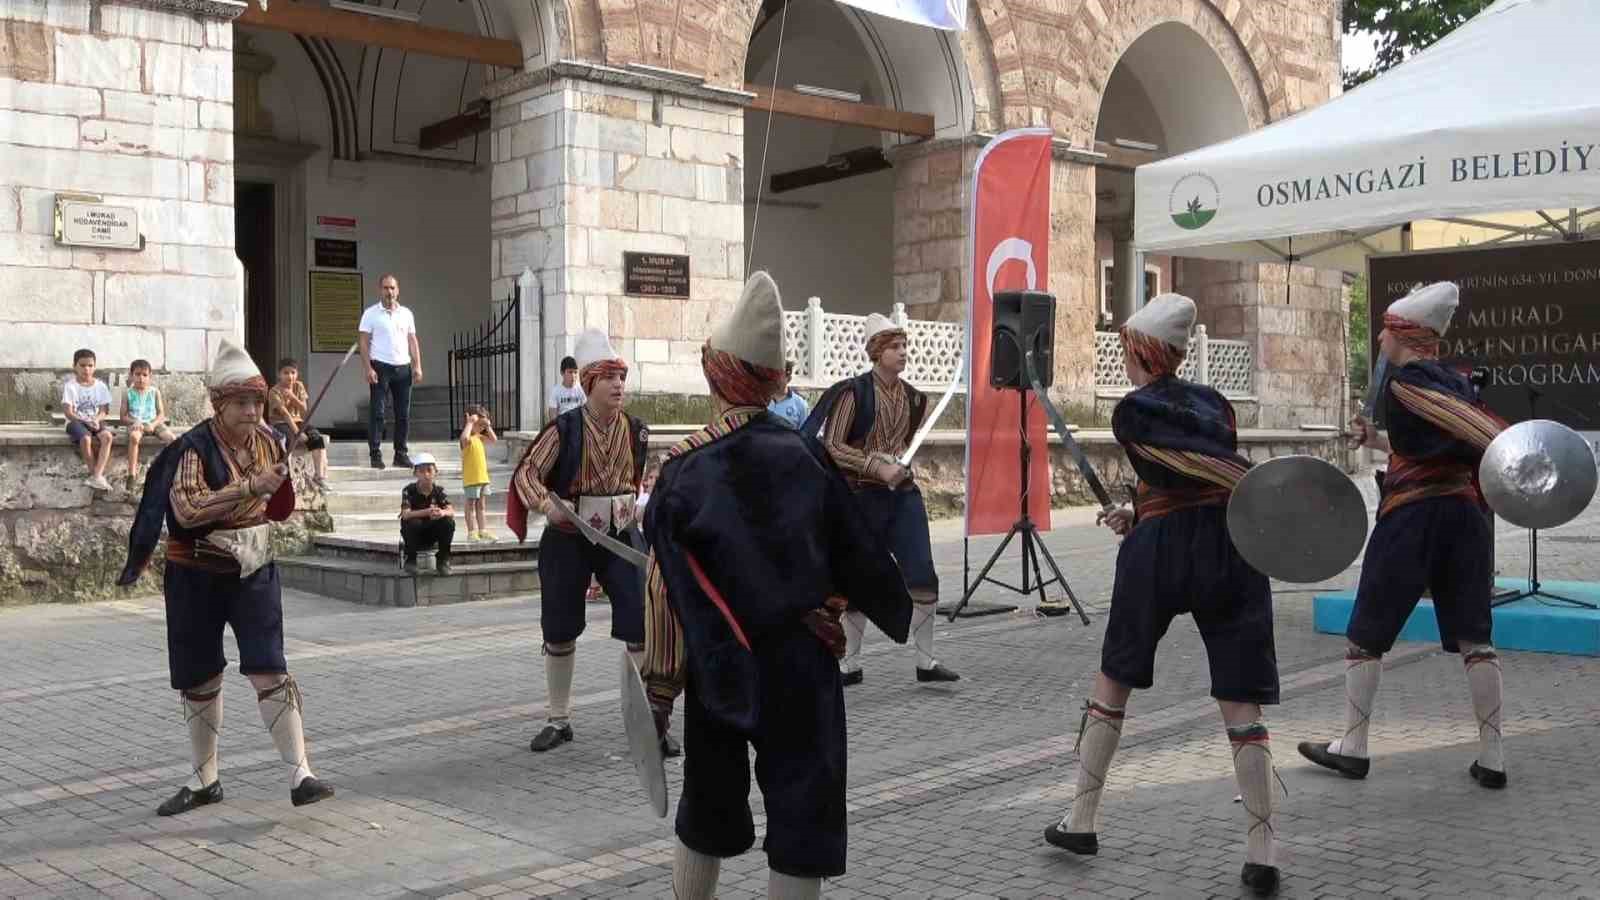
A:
334	24
839	112
448	131
1126	158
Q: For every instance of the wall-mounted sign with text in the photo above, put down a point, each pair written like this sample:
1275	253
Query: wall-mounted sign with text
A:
335	226
331	253
336	306
86	223
655	275
1529	317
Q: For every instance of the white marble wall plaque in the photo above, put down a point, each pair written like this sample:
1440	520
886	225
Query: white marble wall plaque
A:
82	223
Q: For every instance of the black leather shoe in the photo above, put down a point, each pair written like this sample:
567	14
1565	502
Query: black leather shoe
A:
1489	778
937	673
1083	843
1348	766
402	461
550	736
670	747
854	677
1261	880
185	799
441	567
310	790
377	461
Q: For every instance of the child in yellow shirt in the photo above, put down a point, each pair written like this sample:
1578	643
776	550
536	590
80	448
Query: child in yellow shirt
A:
475	431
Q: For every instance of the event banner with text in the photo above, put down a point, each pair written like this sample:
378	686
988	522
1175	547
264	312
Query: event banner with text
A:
1010	252
1529	317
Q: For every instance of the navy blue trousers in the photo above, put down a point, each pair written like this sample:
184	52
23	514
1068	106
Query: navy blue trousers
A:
800	764
567	563
200	603
901	519
1440	545
1184	562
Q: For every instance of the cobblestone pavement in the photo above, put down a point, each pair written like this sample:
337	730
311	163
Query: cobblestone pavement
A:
421	718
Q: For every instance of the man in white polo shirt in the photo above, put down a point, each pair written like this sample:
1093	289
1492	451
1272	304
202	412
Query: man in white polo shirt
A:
394	362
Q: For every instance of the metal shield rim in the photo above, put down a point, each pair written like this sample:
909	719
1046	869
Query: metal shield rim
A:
1341	528
644	745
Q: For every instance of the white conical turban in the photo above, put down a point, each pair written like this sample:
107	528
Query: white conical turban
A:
1430	306
232	374
754	332
594	346
1167	317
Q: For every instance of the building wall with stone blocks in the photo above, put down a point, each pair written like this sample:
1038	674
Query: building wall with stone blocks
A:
585	171
132	104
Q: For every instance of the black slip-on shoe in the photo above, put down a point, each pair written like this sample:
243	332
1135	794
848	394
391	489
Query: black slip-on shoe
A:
310	790
402	461
1261	880
854	677
185	799
1489	778
1083	843
442	567
552	735
937	673
1348	766
376	461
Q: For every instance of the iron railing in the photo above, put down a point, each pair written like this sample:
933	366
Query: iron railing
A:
484	366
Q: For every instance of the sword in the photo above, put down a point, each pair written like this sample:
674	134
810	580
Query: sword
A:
600	538
1369	404
927	425
294	436
1098	489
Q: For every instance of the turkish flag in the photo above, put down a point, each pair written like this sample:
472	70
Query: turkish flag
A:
1010	251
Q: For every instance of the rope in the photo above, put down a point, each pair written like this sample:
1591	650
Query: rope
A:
766	141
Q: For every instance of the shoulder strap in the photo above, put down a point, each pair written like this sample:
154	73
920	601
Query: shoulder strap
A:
641	448
866	409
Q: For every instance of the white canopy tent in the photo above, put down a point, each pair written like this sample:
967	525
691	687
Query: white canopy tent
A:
1503	114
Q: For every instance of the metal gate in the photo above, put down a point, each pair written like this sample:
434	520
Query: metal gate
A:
484	367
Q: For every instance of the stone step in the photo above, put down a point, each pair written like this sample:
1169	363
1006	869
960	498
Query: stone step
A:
387	501
383	584
365	478
353	453
386	524
382	546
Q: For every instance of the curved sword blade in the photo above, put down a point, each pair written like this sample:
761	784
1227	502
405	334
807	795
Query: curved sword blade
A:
1089	474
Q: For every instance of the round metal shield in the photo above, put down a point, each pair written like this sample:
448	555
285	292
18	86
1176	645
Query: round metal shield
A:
1297	519
1538	474
644	745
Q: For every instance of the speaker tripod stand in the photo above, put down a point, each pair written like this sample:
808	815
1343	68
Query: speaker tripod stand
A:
1033	547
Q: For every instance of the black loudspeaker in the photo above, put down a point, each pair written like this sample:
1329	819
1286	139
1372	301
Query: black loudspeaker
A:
1022	319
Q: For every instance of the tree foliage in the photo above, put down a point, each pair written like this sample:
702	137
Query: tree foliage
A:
1403	28
1357	364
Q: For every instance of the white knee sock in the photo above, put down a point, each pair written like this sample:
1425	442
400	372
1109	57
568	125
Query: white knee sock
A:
694	874
202	713
280	712
1484	680
922	633
1361	676
788	887
855	632
1252	766
558	681
637	655
1098	735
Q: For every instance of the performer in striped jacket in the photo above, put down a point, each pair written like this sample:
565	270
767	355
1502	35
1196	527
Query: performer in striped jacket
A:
1433	533
1176	557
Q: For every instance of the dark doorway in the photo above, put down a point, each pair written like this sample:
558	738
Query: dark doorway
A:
253	237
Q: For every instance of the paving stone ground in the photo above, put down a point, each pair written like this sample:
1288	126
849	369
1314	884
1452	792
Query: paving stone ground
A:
421	718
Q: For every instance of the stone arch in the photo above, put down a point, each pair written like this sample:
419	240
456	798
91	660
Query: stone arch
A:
337	93
1108	39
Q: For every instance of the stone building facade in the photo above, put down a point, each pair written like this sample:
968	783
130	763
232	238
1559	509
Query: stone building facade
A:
630	128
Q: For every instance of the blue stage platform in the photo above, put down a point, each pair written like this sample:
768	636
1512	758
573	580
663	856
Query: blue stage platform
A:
1538	624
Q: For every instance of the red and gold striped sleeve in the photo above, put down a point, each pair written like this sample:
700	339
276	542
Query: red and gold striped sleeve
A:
195	504
1453	415
1216	470
663	670
835	436
528	480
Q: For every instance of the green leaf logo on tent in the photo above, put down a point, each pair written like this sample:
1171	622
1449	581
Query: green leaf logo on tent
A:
1194	201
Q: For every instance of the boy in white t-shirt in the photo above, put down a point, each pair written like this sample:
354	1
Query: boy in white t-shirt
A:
566	395
86	402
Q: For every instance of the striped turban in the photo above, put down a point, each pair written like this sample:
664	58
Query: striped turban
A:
882	339
736	381
234	375
604	368
1419	339
1153	354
